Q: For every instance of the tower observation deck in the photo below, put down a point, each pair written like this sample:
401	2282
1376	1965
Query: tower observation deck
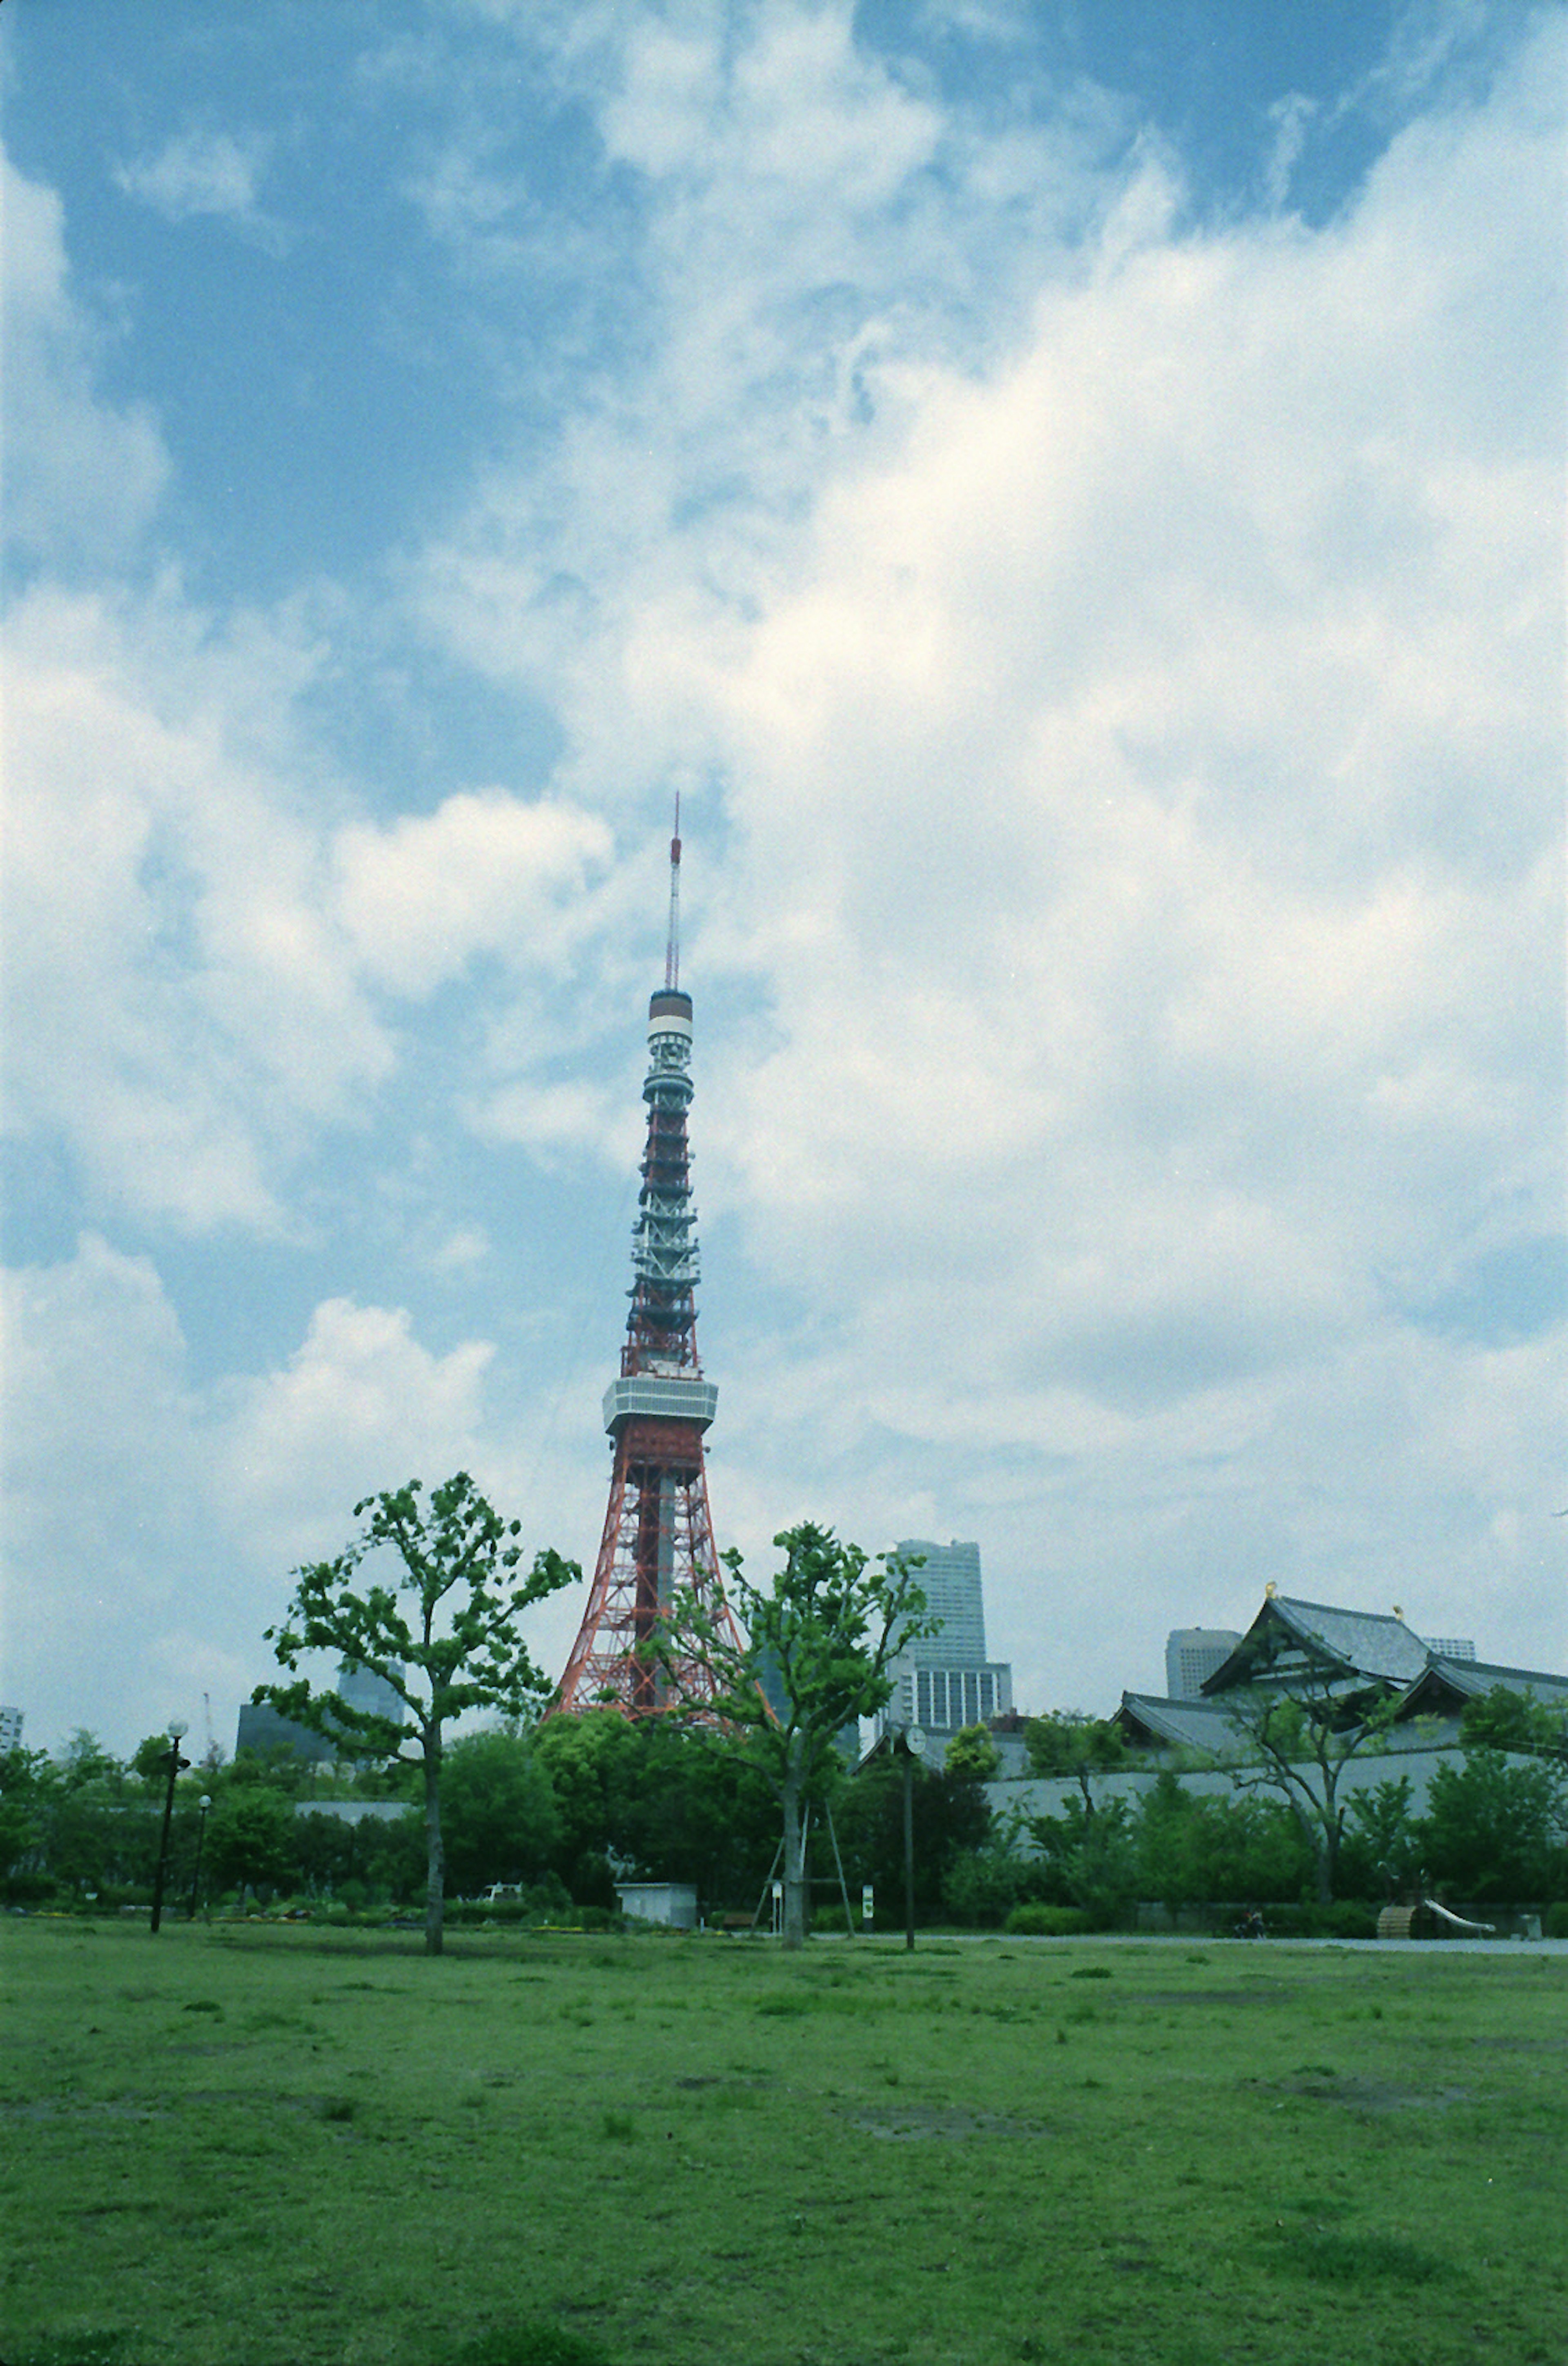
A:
658	1545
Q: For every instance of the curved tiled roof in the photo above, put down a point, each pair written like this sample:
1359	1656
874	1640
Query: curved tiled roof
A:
1190	1724
1358	1642
1471	1679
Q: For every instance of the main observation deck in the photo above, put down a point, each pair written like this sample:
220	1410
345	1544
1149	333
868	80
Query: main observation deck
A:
659	1396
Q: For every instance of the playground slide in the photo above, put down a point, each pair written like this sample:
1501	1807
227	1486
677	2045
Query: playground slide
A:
1457	1922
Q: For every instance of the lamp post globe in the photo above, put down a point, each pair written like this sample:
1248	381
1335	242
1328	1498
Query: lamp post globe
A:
204	1805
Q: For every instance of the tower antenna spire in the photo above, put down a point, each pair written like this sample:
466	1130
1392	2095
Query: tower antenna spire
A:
656	1553
672	942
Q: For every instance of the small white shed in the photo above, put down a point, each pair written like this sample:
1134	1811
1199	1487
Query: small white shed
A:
671	1903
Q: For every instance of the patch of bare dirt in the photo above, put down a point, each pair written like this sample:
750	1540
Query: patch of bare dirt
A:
917	2122
1377	2095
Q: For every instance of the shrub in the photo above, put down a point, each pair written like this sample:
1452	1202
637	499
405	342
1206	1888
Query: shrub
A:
28	1889
829	1919
981	1887
547	1902
1347	1918
1040	1921
1554	1922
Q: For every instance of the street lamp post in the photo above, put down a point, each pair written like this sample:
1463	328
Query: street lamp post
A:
913	1747
204	1803
176	1765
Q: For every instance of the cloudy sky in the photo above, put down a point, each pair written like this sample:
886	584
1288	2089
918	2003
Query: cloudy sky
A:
1071	498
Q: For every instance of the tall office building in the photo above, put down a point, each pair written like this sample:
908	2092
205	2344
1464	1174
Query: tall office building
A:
363	1689
10	1728
263	1729
944	1681
1192	1655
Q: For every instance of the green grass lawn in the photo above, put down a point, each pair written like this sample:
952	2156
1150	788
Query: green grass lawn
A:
256	2144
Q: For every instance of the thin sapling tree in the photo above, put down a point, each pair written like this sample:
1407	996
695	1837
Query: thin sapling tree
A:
443	1635
815	1659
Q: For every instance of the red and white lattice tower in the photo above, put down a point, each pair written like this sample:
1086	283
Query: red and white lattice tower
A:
657	1543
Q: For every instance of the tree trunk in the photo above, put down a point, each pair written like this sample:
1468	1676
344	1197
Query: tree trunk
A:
1332	1818
434	1852
1314	1830
1328	1855
794	1852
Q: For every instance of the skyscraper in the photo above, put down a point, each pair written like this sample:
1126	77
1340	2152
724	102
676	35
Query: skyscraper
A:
1192	1655
944	1681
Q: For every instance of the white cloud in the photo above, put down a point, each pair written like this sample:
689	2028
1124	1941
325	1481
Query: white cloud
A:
551	1118
800	111
152	1523
1124	789
1141	749
105	1506
1291	118
809	233
469	1247
202	171
184	1005
84	478
484	874
360	1406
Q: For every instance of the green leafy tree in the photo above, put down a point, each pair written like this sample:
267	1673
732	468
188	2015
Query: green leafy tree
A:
1492	1831
951	1819
1502	1720
656	1798
324	1852
276	1768
1382	1848
1299	1742
702	1812
1091	1857
457	1645
500	1821
594	1762
1069	1744
1194	1848
28	1787
252	1840
821	1638
101	1826
973	1754
980	1887
86	1762
150	1763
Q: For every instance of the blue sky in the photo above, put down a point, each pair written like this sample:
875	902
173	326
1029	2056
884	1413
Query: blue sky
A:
1071	499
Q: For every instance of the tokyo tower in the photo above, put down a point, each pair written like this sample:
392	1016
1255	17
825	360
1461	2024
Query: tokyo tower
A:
657	1541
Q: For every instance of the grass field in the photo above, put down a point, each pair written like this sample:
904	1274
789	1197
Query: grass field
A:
259	2145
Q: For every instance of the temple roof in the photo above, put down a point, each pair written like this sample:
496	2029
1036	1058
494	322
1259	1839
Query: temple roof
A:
1447	1684
1342	1644
1188	1724
1346	1642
